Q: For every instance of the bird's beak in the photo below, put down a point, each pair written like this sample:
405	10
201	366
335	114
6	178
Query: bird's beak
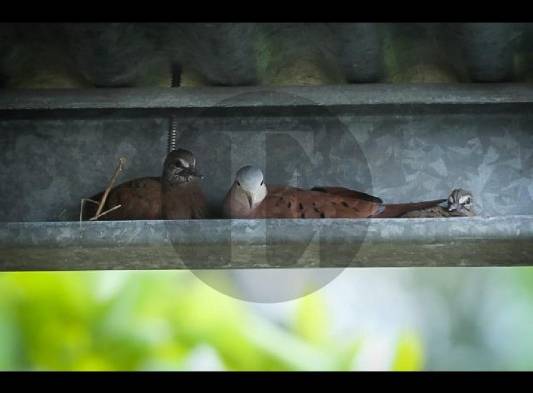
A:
250	199
191	173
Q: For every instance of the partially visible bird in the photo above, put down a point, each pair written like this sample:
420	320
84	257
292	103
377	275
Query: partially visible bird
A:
177	194
459	204
249	197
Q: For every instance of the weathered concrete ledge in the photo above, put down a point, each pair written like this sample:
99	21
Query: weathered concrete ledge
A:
243	244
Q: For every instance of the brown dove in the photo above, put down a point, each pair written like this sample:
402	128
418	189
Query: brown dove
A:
459	205
249	197
175	195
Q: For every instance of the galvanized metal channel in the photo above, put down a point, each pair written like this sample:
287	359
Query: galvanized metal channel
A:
34	236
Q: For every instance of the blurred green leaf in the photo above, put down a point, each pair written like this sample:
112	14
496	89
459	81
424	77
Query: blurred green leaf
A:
158	320
409	353
311	320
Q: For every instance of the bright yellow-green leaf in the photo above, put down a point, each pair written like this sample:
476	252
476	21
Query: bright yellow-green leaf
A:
311	320
409	353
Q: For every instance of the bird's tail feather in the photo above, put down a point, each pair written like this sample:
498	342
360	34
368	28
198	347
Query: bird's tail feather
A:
398	209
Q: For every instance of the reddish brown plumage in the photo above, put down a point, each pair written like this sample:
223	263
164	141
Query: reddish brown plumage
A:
319	202
290	202
175	195
183	201
400	209
391	210
140	199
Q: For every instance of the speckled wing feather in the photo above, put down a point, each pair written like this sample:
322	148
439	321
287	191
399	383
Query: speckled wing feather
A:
384	210
290	202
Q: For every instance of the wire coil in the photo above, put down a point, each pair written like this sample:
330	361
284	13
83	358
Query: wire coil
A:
173	127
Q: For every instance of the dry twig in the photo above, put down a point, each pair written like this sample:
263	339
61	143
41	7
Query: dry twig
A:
104	213
101	203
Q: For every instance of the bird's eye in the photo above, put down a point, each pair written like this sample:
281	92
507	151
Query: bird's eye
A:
262	182
238	183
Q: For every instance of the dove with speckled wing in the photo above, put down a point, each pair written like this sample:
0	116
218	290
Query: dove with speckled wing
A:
249	197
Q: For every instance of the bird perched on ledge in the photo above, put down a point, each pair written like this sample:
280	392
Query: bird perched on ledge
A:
459	204
175	195
249	197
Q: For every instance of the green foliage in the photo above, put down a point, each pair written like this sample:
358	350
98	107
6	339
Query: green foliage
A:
311	321
409	353
160	321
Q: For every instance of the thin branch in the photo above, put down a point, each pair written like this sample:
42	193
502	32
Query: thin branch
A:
101	204
104	213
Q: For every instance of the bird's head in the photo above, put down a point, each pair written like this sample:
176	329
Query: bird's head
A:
180	167
249	182
460	201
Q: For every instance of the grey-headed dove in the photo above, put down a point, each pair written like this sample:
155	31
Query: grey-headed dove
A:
249	197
